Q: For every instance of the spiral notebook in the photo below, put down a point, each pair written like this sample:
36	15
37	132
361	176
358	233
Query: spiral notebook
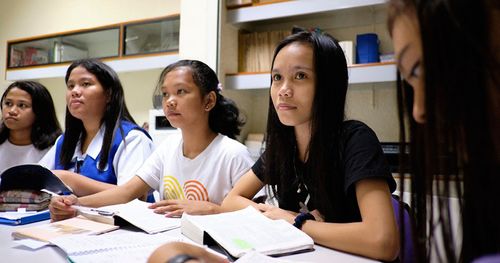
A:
112	247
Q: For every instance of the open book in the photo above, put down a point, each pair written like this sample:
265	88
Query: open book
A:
135	212
245	230
112	247
73	226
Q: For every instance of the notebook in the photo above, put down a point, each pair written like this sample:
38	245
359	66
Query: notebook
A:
245	230
73	226
21	218
112	247
135	212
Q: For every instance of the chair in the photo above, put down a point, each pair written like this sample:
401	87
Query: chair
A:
406	254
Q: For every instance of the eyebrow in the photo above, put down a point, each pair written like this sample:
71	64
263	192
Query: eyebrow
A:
401	55
296	68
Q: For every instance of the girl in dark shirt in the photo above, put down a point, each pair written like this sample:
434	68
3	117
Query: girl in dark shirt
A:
315	160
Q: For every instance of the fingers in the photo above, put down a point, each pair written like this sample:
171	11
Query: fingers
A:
162	203
176	213
60	207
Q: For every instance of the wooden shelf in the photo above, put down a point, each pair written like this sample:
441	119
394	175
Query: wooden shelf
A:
293	8
124	64
359	73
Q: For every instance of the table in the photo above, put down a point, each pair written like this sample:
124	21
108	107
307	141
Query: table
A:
12	252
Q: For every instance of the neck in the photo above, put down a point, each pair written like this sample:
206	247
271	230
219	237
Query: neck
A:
196	141
20	137
303	137
91	129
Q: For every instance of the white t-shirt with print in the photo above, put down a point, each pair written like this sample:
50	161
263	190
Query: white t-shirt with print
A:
208	177
12	155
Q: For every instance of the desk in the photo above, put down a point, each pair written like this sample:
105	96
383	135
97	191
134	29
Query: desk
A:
11	252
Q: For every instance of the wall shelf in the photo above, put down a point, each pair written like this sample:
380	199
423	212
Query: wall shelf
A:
359	73
119	65
293	8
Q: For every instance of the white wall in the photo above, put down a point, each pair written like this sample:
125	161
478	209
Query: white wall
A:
28	18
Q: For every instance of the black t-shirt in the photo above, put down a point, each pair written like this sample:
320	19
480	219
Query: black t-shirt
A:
362	157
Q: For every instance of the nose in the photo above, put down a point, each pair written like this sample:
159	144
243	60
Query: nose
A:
285	91
13	110
171	103
75	92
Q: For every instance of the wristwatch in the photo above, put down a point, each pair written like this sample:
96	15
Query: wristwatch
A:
181	258
301	218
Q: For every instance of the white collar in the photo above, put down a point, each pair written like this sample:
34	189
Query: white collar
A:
94	148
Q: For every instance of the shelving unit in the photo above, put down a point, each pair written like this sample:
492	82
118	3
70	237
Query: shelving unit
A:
371	93
119	65
293	8
131	46
359	73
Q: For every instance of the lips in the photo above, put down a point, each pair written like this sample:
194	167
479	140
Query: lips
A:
10	119
75	102
285	106
172	114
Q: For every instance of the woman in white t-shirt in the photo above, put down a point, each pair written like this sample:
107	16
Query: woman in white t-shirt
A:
194	171
29	124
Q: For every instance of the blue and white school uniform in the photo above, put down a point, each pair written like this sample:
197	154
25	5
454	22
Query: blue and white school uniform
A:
125	157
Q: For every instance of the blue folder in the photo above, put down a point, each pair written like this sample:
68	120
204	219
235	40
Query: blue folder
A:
40	216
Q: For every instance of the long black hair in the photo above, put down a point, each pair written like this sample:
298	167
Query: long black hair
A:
116	110
224	117
327	116
45	128
457	149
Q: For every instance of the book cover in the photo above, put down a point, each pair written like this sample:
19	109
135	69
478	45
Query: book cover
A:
246	230
21	218
72	226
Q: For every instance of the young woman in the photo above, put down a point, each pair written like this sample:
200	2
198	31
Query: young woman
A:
102	145
448	52
29	127
195	170
315	160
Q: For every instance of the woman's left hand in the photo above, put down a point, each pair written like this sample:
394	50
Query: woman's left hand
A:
175	208
274	212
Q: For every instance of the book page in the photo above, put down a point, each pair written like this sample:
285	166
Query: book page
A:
247	229
113	247
138	214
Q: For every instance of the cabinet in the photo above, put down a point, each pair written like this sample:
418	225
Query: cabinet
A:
138	45
371	95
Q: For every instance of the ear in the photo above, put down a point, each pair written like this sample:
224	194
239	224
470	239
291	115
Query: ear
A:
108	96
210	100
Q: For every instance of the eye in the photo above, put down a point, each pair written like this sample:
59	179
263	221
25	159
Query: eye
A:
164	95
22	106
300	75
71	86
181	91
276	77
86	84
7	103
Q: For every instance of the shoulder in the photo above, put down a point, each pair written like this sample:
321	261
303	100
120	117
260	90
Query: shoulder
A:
356	131
229	145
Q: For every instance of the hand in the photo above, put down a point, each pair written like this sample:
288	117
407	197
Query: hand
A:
169	250
60	207
274	212
175	208
317	215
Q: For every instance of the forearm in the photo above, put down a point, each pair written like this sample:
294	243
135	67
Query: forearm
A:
357	238
236	202
135	188
82	185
